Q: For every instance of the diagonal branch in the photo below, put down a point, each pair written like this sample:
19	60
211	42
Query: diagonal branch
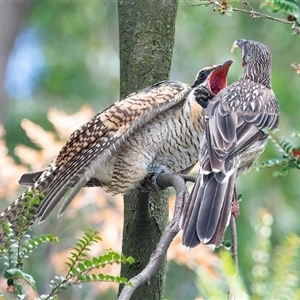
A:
222	7
158	256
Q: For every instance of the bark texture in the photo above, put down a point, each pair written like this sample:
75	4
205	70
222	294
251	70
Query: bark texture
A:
146	30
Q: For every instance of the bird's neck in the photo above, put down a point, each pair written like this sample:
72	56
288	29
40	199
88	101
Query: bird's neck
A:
193	112
197	100
201	95
258	74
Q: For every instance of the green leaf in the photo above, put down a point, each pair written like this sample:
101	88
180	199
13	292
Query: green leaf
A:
74	271
95	261
288	7
88	263
130	260
81	267
116	257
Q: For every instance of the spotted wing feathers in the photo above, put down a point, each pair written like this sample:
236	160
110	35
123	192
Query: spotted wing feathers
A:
93	143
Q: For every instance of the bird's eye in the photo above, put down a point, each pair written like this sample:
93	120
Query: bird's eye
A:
202	75
200	78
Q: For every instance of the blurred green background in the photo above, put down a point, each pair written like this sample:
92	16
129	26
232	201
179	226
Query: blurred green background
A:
71	52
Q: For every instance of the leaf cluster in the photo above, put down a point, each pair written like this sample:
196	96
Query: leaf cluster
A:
80	266
15	256
290	158
288	7
28	206
81	269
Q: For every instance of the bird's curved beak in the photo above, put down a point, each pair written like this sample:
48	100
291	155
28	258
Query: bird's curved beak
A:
218	77
238	43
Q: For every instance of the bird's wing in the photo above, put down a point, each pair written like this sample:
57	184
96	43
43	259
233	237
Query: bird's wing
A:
117	122
97	140
90	144
124	116
230	130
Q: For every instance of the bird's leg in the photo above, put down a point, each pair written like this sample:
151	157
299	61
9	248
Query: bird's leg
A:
235	210
150	182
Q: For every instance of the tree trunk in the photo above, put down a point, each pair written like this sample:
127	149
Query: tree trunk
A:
12	16
146	30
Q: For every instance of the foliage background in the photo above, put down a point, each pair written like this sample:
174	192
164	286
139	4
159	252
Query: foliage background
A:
79	70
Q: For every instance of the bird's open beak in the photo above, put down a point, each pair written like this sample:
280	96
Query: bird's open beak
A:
218	78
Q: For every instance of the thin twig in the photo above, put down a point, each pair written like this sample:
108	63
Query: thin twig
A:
234	252
158	256
189	178
234	247
253	13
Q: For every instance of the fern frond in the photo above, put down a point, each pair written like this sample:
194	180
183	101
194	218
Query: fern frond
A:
34	243
79	266
90	238
282	145
290	156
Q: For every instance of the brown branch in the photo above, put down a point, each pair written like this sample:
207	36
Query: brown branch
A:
158	256
234	247
253	13
234	252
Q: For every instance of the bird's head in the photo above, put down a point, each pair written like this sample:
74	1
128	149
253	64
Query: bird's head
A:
257	60
210	81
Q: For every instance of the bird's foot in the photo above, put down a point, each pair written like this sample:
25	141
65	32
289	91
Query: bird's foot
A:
150	182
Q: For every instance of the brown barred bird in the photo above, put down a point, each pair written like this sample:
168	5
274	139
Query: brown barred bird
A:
154	130
233	138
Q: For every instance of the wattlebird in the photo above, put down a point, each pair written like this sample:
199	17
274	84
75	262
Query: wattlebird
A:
233	138
154	130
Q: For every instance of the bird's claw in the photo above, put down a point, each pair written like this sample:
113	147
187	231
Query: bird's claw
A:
150	182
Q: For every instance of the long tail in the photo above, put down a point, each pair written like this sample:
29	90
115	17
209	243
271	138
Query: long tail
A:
206	214
48	187
30	178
